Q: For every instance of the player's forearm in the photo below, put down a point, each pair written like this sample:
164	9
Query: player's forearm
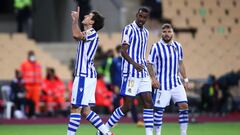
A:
76	32
127	57
182	70
150	70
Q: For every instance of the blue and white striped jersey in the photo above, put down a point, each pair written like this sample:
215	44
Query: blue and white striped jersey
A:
137	39
166	58
86	50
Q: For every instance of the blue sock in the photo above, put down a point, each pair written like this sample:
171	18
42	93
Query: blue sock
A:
183	121
115	117
158	118
74	122
96	121
148	121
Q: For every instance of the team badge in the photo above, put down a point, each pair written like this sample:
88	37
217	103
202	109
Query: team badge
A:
125	39
89	32
175	49
81	89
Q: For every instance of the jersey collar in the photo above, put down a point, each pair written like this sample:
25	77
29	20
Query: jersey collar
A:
136	26
90	30
162	42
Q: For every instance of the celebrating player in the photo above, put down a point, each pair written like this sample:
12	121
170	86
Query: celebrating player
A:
83	91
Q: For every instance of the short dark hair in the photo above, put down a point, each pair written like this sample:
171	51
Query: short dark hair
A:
118	48
167	26
30	52
98	20
144	9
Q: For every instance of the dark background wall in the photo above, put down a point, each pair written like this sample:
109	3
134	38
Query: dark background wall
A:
51	20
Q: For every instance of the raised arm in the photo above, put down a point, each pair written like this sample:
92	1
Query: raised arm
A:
76	32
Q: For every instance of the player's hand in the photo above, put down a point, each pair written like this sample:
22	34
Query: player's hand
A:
138	67
116	89
75	14
186	85
155	83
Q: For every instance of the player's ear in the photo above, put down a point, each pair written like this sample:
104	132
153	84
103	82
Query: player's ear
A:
137	14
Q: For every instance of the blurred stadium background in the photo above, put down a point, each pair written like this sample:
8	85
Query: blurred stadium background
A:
208	30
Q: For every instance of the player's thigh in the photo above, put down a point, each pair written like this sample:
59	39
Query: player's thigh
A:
146	98
127	103
91	86
179	94
83	91
145	85
129	86
76	89
161	98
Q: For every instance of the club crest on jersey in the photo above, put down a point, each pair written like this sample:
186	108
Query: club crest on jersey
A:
89	32
125	39
175	49
130	90
81	89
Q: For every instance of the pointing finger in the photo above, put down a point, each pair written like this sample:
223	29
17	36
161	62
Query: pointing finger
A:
78	9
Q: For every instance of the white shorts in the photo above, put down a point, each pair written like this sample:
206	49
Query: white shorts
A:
162	98
83	91
132	86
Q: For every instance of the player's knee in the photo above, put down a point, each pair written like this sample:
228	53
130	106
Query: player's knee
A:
85	114
125	108
86	111
148	105
183	106
75	109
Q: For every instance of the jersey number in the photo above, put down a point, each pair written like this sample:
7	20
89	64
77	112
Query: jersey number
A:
130	83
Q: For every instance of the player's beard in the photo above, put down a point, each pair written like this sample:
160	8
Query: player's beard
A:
167	39
140	24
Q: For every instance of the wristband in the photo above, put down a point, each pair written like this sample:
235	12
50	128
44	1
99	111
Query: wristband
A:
186	80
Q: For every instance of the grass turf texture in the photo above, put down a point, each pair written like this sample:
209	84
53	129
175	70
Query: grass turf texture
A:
123	129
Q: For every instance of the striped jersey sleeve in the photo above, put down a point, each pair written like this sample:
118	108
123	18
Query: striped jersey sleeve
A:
152	55
180	50
127	35
90	34
181	53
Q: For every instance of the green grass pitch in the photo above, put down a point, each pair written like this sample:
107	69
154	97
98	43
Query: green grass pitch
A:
123	129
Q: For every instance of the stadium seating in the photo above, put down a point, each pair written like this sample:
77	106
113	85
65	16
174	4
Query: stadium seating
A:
14	50
215	48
